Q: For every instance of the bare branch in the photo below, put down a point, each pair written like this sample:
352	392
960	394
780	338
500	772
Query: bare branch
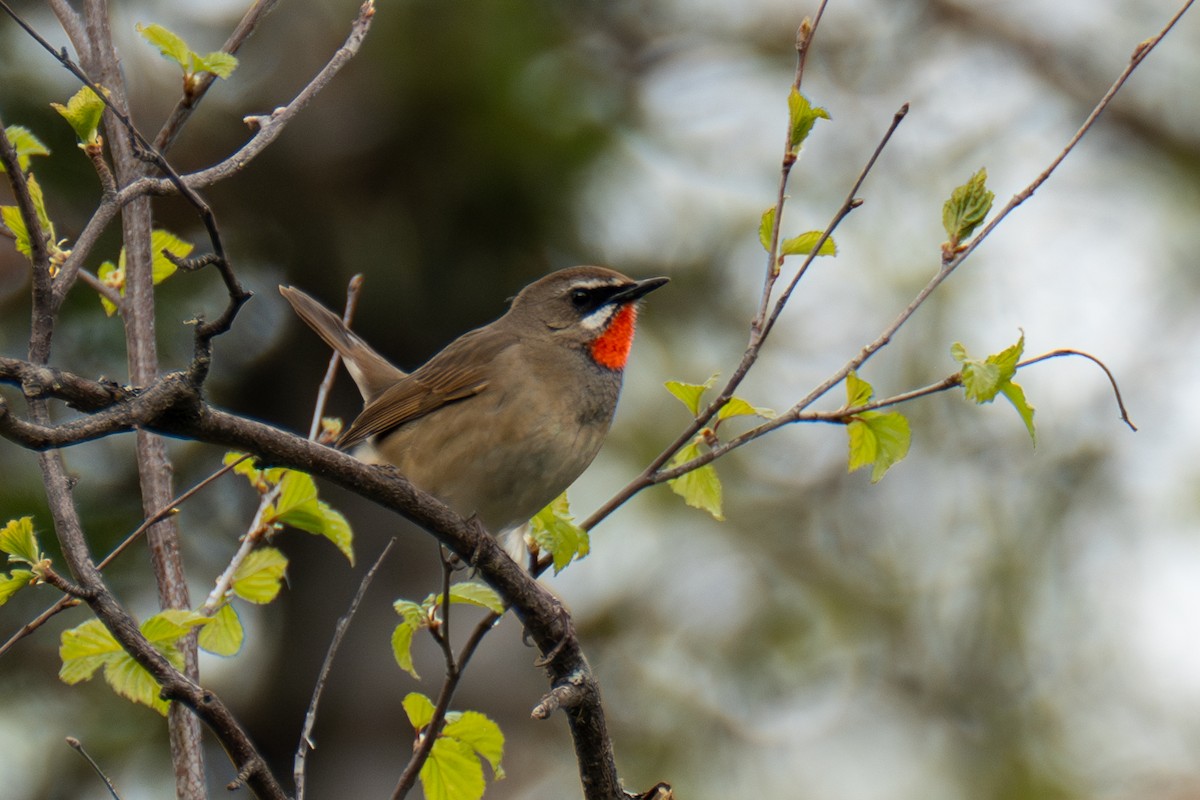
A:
339	632
78	747
1111	379
191	99
269	126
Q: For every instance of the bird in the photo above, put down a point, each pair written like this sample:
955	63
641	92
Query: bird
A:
504	418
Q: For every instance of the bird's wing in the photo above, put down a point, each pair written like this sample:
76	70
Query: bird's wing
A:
454	374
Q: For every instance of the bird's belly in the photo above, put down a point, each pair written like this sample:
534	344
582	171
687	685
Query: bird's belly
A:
500	461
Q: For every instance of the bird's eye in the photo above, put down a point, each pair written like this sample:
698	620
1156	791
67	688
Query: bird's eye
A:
581	298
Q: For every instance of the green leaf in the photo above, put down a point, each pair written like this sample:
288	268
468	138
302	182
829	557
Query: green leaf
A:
12	219
171	45
481	734
402	638
131	681
967	207
878	438
983	379
85	649
412	613
11	216
477	594
336	529
13	583
766	226
224	635
26	144
111	275
700	488
297	504
1016	395
690	393
737	407
803	244
419	710
858	391
219	63
554	530
90	646
83	112
163	630
258	577
166	628
452	772
802	115
18	540
161	266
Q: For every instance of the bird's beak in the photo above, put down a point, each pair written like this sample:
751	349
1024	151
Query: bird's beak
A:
638	290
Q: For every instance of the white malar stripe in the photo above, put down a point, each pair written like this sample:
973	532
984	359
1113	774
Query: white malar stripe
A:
598	320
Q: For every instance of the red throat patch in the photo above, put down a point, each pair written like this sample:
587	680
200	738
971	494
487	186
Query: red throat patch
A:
611	348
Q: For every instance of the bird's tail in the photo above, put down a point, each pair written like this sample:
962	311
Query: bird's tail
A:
371	372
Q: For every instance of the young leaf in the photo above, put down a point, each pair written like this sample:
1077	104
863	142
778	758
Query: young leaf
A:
161	266
554	530
18	540
967	207
452	772
477	594
83	112
737	407
700	488
246	468
219	63
11	216
803	244
481	734
690	393
858	391
26	144
164	630
878	438
14	582
85	649
336	529
12	219
402	638
983	379
224	635
297	504
802	115
171	45
419	710
766	226
257	578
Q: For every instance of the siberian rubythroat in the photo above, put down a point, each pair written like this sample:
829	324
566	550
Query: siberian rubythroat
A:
507	416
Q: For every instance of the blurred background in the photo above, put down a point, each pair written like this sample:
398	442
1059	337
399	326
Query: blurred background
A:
992	620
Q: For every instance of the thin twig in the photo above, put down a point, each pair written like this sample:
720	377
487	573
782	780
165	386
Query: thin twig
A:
1111	378
77	746
269	125
352	293
760	329
191	99
339	632
657	475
